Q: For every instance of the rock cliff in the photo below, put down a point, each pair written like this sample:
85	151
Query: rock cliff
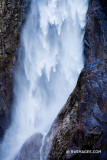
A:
11	18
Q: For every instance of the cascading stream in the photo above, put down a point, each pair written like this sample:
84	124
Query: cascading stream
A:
50	61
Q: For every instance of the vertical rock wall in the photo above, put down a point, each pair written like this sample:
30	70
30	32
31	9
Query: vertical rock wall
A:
11	18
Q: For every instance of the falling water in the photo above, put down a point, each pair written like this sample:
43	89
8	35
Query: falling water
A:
50	61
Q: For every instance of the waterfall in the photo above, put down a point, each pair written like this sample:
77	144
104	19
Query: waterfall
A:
50	61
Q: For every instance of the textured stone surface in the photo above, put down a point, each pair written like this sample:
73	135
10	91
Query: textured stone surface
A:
96	33
11	17
30	150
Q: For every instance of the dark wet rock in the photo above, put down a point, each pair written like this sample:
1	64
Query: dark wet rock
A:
96	33
31	149
82	123
11	18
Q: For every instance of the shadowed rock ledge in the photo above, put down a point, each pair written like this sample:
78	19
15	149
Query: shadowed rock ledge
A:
30	150
81	124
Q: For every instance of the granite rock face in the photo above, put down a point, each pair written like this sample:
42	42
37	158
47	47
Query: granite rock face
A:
82	123
96	32
11	17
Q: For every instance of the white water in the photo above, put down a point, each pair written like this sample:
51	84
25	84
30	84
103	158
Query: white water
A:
50	62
